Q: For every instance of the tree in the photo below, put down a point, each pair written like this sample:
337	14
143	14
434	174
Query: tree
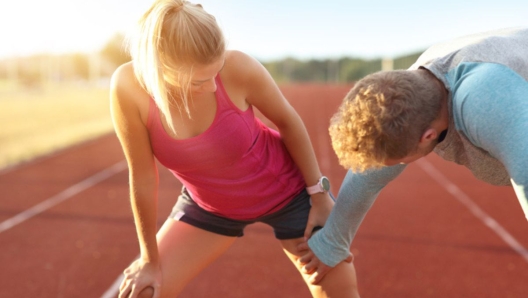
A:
114	50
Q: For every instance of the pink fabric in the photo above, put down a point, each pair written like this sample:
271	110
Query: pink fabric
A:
238	168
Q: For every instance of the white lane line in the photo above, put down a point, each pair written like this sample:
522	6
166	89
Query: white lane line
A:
113	291
62	196
474	208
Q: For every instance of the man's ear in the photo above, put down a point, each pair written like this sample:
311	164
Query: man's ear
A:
427	137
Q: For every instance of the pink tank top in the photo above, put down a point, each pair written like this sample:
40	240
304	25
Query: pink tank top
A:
238	168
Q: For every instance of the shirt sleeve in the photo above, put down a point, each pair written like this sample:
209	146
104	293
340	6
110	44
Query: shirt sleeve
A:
358	192
492	111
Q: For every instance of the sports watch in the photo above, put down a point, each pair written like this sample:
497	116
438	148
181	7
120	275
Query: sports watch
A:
323	185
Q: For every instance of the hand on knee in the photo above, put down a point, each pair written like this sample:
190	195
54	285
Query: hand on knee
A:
147	292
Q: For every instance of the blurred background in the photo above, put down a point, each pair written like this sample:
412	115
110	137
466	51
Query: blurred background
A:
56	56
56	60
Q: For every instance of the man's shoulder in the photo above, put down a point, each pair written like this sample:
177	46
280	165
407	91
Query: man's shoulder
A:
482	79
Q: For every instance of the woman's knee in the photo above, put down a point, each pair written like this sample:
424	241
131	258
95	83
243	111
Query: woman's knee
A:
341	281
147	292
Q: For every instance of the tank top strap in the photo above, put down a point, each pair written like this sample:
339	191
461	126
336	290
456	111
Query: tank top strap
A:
222	98
153	113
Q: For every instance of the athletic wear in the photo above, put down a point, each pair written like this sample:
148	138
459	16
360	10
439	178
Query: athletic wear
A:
487	79
238	168
287	223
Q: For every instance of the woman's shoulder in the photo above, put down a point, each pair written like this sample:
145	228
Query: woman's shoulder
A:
124	78
240	67
237	56
126	89
241	62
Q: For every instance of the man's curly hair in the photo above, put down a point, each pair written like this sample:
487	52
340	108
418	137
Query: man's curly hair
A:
383	117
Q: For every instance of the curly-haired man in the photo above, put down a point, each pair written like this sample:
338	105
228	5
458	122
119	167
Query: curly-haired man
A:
465	99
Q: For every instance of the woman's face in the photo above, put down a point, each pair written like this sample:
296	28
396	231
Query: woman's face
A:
203	78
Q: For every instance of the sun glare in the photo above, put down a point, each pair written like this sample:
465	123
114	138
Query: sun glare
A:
59	26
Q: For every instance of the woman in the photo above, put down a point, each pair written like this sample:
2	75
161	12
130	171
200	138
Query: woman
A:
187	102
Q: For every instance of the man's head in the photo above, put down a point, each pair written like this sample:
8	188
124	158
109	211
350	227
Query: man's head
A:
387	117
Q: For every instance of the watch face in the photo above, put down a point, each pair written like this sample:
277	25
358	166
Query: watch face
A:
325	183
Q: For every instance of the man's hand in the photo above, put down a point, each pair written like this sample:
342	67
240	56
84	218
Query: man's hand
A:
312	265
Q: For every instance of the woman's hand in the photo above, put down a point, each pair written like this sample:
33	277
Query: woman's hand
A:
322	205
139	276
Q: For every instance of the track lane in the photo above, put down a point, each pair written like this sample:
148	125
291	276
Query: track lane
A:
417	241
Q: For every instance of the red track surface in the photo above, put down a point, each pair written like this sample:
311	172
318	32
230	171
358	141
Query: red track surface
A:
418	240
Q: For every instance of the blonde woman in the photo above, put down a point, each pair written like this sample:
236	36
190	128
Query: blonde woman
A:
188	102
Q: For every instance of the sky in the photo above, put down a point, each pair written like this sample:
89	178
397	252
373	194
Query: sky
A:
265	29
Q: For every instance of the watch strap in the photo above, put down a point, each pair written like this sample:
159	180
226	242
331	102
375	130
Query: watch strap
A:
322	186
314	189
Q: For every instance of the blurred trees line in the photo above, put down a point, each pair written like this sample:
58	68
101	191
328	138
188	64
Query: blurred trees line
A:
99	66
342	70
84	67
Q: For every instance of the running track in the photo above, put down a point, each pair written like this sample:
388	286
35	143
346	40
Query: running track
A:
66	228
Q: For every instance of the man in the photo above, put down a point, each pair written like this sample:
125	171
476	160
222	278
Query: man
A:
466	100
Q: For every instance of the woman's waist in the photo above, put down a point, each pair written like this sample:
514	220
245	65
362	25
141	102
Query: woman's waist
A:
245	201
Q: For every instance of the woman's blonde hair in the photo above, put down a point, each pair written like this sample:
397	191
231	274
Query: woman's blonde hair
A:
383	117
171	37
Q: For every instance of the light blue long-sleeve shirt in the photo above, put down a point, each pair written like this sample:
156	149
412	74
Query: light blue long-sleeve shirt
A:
486	76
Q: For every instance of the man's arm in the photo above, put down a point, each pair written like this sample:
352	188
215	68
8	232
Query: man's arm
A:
357	194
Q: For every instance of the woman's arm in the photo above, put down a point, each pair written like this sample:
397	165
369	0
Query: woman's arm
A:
263	93
126	97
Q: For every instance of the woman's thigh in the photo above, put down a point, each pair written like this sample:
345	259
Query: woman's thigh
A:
184	252
339	282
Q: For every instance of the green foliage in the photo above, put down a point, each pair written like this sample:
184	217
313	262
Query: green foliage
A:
406	61
114	51
39	69
343	70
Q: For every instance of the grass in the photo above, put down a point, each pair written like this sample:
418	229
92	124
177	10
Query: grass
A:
39	120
